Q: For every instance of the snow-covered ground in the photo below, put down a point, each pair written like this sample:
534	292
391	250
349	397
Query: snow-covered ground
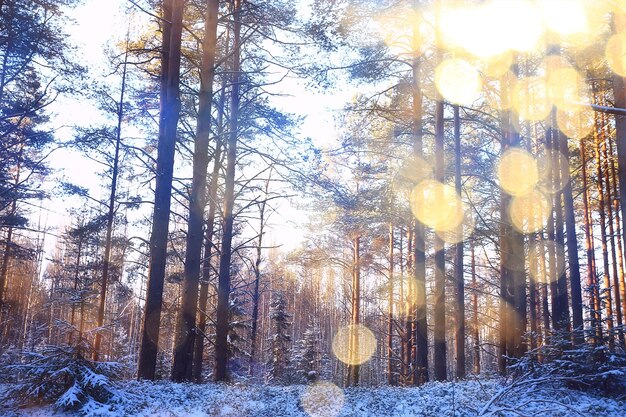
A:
467	398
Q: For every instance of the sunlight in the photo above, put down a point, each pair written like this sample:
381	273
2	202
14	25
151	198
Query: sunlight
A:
436	205
405	31
538	257
498	65
565	17
458	81
322	399
517	172
365	344
472	28
493	92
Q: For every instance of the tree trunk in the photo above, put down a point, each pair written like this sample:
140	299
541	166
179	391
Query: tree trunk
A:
605	251
208	243
390	311
458	259
170	111
223	291
108	241
420	370
185	328
475	328
572	250
592	277
257	276
440	347
354	368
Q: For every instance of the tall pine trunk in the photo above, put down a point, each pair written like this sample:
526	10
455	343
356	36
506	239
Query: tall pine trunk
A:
185	326
223	290
170	112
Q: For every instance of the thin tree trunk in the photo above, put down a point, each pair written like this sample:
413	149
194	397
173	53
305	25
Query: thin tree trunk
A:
354	368
257	277
592	277
609	199
619	94
563	312
475	328
458	261
108	241
603	236
390	311
572	251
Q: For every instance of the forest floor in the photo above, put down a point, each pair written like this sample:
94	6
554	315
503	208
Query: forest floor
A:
489	397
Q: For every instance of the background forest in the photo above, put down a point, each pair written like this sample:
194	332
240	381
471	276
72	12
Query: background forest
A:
458	219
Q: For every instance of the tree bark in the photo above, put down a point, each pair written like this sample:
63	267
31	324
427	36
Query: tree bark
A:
458	259
223	291
420	332
170	111
185	327
108	241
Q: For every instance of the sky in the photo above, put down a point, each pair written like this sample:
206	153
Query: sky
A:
96	25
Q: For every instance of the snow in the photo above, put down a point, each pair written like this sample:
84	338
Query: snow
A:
487	397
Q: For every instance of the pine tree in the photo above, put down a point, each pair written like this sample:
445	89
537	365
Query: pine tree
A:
280	339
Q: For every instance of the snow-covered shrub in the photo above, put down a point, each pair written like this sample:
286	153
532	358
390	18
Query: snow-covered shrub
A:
58	375
585	366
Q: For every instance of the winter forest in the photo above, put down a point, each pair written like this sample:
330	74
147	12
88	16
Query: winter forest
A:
317	208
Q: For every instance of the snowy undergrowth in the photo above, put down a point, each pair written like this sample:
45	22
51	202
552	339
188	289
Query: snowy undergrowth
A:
467	398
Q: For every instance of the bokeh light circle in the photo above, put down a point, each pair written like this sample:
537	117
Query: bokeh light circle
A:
458	81
436	205
354	344
517	171
529	212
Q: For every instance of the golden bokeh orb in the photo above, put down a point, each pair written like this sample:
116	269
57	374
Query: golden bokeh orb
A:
553	171
436	205
354	344
531	98
529	212
615	53
458	81
539	257
517	172
576	124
